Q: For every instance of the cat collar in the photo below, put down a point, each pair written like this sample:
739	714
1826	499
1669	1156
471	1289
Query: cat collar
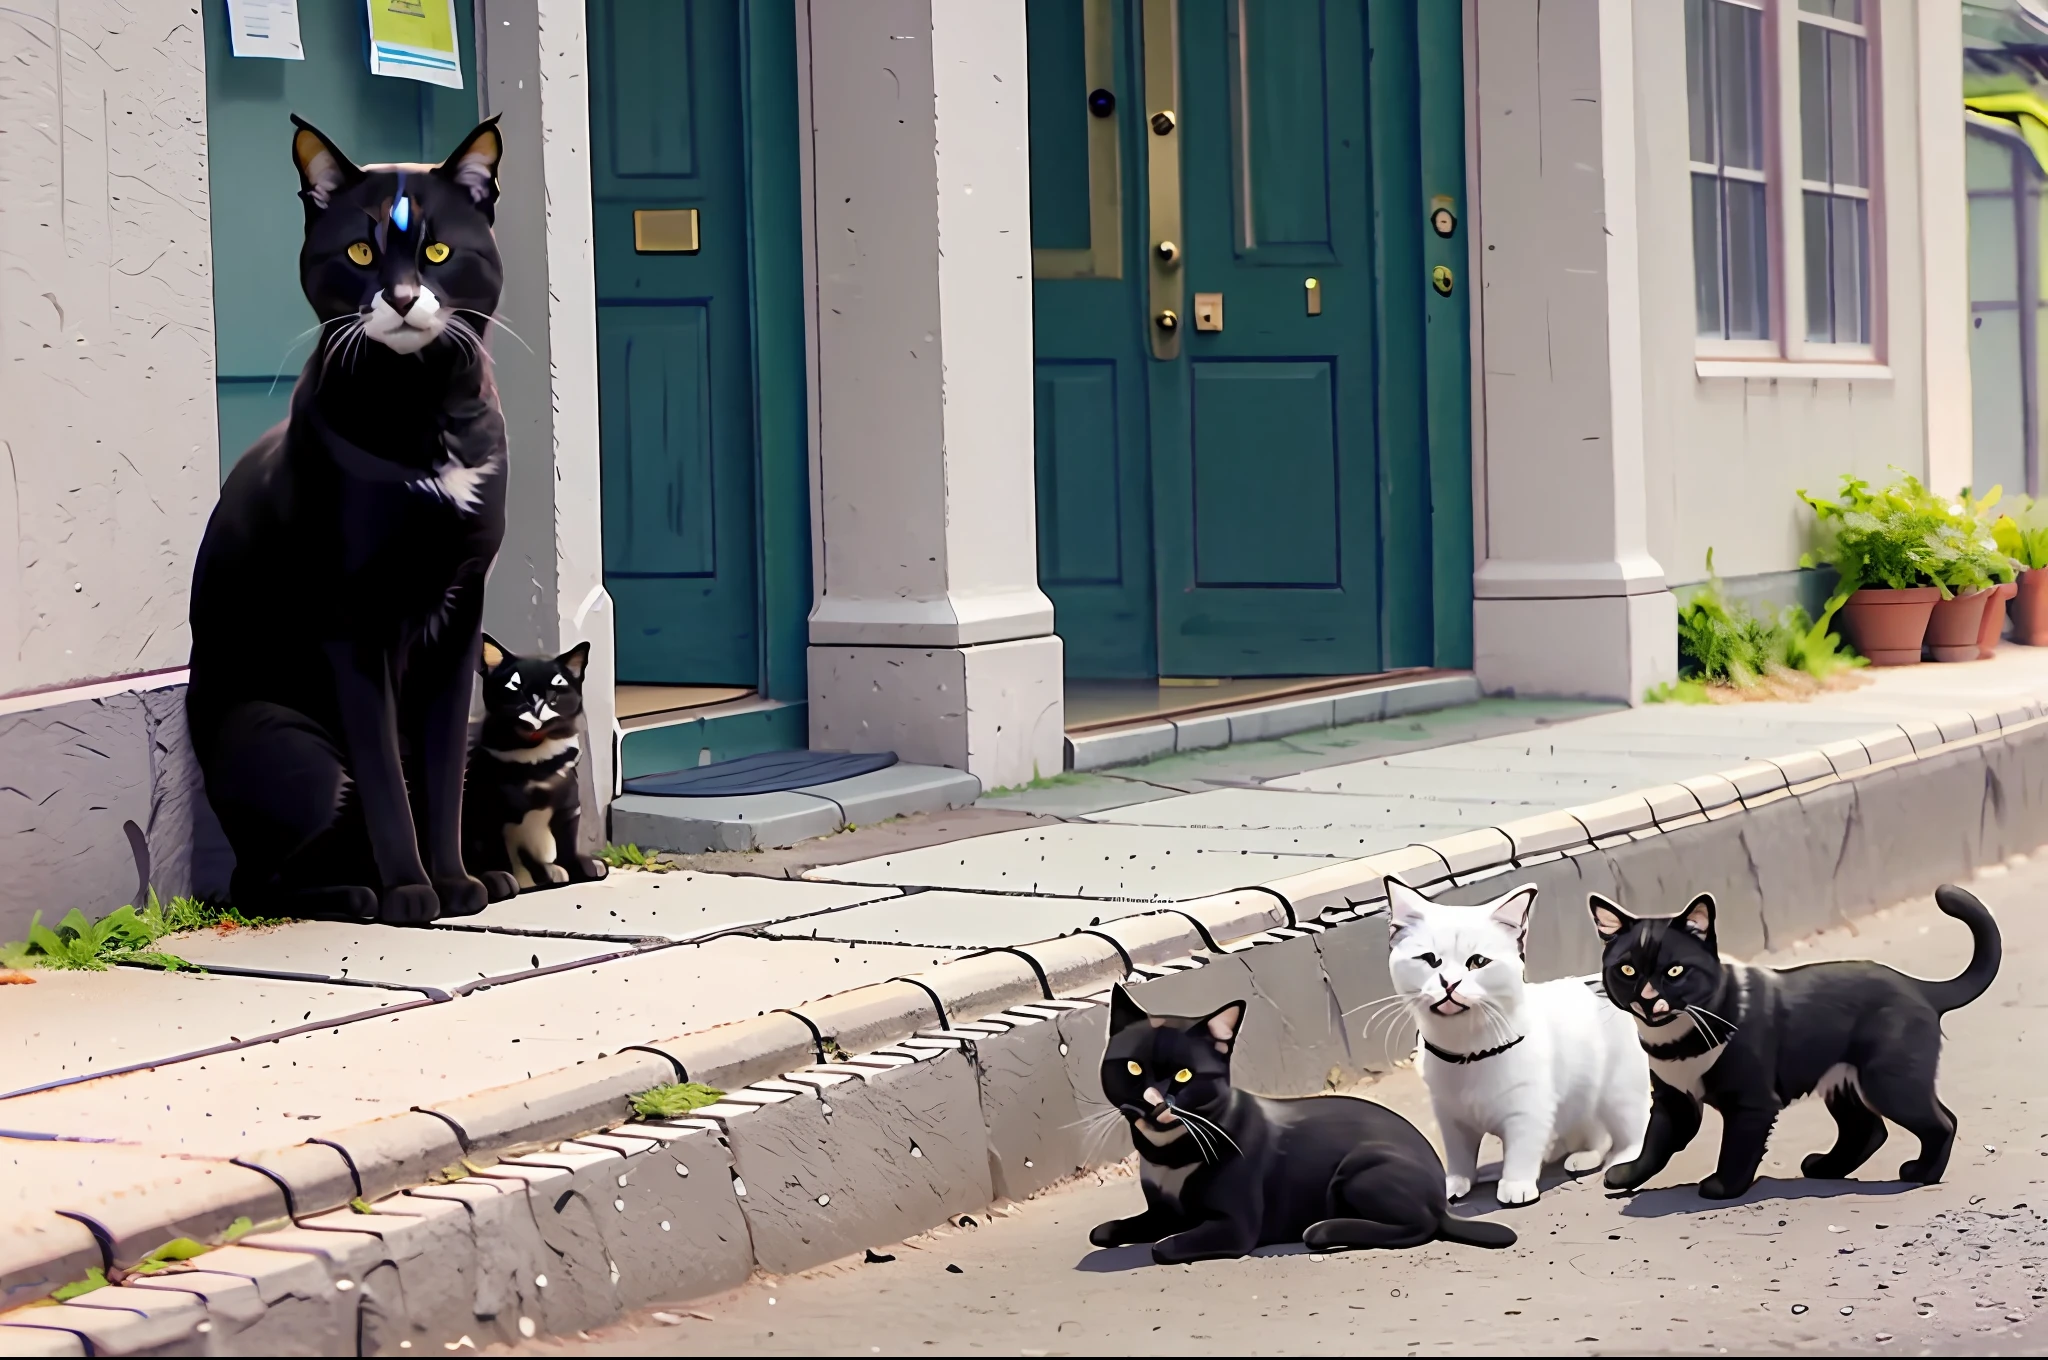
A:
1450	1057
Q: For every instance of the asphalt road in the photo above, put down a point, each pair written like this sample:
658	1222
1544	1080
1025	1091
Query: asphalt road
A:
1863	1266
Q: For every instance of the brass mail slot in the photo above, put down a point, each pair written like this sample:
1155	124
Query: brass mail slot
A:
665	231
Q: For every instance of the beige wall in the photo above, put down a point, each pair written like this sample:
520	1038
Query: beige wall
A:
108	453
1724	456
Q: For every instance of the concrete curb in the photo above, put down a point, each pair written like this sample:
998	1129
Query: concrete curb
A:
883	1111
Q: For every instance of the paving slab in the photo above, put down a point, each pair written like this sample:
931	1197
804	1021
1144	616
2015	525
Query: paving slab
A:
1528	790
960	920
1145	863
432	961
68	1025
315	1083
632	904
695	825
1291	809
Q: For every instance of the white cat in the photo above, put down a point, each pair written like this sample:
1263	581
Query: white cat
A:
1550	1068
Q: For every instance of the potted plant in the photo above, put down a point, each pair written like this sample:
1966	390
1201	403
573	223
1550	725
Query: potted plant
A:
2024	539
1971	571
1883	542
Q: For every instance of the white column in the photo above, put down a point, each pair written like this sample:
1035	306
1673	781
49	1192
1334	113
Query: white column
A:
547	590
930	636
1568	600
1945	246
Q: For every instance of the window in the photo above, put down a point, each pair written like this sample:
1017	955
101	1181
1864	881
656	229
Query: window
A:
1834	156
1724	48
1783	157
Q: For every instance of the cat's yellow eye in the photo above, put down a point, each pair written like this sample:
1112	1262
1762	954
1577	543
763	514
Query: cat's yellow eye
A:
1674	970
1134	1069
437	252
1627	971
1183	1076
360	252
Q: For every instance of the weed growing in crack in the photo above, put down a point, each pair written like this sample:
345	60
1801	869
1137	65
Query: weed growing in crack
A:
124	935
675	1100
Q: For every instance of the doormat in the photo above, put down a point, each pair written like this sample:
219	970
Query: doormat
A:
768	772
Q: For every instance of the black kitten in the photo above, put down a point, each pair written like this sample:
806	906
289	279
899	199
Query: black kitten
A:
338	594
1750	1041
1225	1171
523	805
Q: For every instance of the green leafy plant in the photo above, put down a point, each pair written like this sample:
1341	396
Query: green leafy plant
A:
2023	537
1727	650
95	1278
633	857
675	1100
1901	536
124	935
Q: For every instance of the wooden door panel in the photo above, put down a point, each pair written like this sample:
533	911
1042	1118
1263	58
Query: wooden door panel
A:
1267	477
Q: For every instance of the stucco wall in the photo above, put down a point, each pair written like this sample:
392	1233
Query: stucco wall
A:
106	337
1725	455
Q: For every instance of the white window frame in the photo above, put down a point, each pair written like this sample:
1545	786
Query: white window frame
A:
1790	354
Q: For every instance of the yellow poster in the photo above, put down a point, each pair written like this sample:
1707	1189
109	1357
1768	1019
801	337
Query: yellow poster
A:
415	40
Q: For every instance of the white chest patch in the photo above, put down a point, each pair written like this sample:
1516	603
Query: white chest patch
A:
1685	1074
459	484
530	845
534	755
1166	1181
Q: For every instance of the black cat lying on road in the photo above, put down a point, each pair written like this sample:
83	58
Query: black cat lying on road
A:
1750	1041
524	805
1225	1171
338	595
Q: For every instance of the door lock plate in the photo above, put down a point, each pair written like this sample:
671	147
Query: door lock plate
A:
665	231
1208	311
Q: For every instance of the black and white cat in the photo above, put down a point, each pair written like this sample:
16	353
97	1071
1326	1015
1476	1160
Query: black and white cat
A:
1750	1041
1225	1171
523	807
338	594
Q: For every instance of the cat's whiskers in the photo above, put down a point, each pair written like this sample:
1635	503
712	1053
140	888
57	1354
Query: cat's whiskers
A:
1376	1001
497	320
1197	1122
293	344
1195	1131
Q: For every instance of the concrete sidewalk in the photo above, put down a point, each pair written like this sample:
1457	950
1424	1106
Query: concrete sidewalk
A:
319	1063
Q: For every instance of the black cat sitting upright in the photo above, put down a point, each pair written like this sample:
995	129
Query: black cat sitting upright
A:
1225	1171
524	806
338	595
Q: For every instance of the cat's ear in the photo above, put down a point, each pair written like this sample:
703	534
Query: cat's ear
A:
575	661
1406	908
473	166
323	170
1221	1026
1124	1012
1699	919
1609	920
1512	912
491	656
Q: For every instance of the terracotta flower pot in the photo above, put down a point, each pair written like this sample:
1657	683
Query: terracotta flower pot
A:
1952	627
1994	619
1889	626
2030	609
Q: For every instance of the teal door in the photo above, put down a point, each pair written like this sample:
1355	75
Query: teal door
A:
1292	497
262	325
674	339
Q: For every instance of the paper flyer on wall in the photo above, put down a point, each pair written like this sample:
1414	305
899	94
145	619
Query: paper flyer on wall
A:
415	40
265	28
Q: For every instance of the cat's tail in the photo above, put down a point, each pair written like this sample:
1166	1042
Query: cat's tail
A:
1961	990
1474	1232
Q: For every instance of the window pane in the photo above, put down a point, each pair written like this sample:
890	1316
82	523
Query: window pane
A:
1706	253
1813	102
1852	10
1819	319
1849	242
1987	163
1749	263
1994	251
1739	64
1699	88
1847	73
